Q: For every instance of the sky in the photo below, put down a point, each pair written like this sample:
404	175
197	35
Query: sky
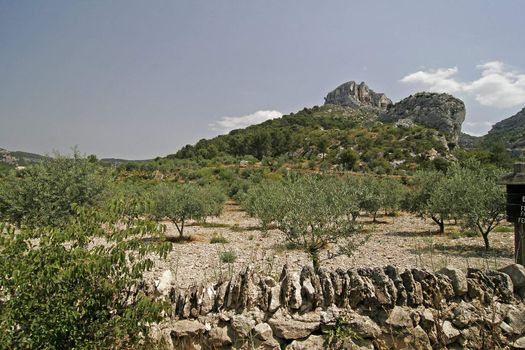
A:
139	79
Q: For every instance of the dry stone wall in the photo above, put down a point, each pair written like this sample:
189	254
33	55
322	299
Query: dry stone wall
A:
364	308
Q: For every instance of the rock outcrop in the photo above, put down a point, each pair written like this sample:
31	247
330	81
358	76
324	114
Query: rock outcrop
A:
517	121
351	94
364	308
438	111
511	132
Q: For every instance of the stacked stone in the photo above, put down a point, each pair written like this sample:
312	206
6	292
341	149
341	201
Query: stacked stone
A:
383	308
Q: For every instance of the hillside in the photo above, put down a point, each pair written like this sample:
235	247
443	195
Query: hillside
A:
11	159
356	128
510	132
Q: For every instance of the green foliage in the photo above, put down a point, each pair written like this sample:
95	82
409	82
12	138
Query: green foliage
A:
228	256
314	216
469	191
367	145
78	285
341	331
372	196
348	158
216	238
428	197
180	203
46	193
266	202
480	200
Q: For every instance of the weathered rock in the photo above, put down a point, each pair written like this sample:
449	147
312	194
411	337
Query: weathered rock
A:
187	328
393	273
363	326
464	315
351	94
275	298
519	343
263	331
313	342
516	273
242	325
412	288
438	111
218	337
516	319
450	334
164	283
458	278
287	328
419	339
400	317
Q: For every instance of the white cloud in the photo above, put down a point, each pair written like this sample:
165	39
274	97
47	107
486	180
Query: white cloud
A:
498	85
226	124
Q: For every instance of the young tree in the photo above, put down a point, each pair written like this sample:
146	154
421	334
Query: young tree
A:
394	193
179	204
372	196
46	193
265	201
482	201
428	197
314	216
349	196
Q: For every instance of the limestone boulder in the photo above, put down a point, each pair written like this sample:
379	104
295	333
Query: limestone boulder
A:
516	273
458	279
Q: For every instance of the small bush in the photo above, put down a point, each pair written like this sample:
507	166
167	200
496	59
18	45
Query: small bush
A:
216	238
228	256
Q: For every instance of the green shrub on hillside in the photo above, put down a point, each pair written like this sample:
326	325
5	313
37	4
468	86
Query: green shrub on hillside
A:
46	193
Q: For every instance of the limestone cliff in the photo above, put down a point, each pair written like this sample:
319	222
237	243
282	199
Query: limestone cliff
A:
351	94
443	112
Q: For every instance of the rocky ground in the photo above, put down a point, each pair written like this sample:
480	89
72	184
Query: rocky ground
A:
404	241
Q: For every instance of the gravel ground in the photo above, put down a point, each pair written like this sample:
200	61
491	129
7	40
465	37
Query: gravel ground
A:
403	241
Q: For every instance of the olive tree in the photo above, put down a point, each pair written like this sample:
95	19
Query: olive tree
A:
265	201
179	203
481	204
428	197
314	216
372	196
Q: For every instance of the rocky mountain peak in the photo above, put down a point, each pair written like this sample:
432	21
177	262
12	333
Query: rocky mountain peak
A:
517	121
443	112
351	94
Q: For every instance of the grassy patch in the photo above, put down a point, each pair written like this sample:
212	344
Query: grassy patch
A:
216	238
504	229
212	225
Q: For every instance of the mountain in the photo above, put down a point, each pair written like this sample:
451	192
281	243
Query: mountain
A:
356	128
442	112
511	132
508	134
18	158
351	94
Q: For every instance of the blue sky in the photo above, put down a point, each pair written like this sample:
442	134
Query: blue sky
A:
138	79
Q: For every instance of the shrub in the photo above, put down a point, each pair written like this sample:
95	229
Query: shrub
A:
46	193
78	285
216	238
228	256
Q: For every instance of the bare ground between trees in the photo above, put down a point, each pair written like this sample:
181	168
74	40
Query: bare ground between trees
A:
404	241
